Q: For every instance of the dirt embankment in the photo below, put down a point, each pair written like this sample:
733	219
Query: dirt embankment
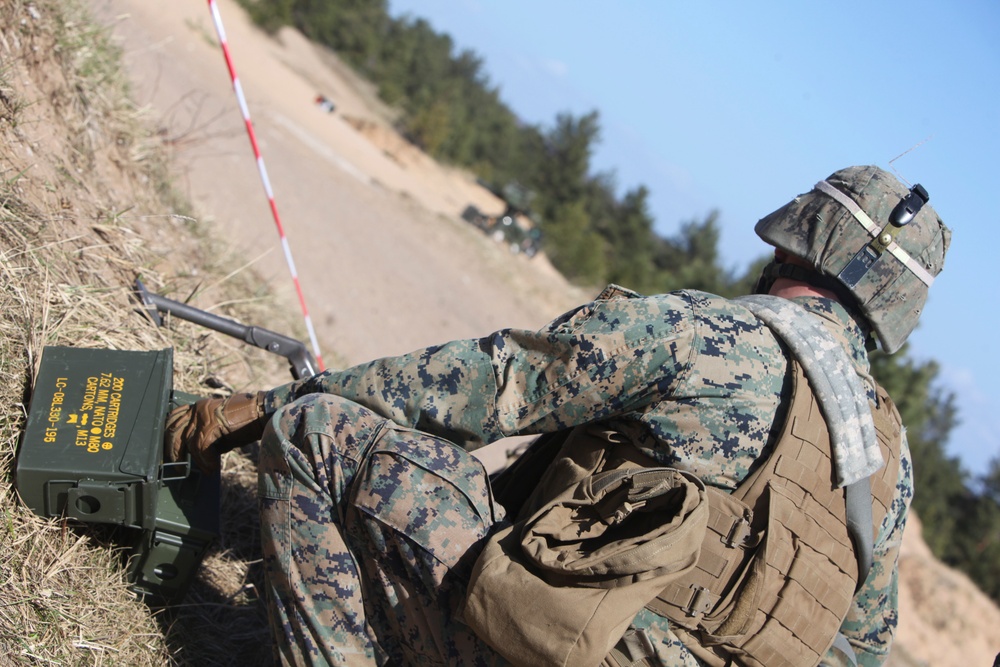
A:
385	262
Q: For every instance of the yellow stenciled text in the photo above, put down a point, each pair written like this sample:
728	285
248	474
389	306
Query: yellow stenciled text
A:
55	410
99	411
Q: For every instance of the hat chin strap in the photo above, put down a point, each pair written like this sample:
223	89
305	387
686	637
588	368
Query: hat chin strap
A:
775	270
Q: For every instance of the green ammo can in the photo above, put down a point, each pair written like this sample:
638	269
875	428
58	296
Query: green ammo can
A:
92	451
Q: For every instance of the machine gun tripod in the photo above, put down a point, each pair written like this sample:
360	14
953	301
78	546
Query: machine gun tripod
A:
302	363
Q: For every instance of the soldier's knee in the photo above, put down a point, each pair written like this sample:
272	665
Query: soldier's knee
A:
334	416
322	429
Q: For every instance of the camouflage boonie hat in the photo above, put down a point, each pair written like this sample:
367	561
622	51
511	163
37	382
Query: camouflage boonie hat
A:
828	225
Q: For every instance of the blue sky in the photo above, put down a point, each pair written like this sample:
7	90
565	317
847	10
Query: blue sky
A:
741	106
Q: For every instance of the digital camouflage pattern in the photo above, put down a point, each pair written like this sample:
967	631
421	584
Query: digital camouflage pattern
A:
690	369
817	228
383	500
347	497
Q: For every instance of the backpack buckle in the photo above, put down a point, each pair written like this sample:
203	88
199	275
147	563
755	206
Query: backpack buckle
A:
739	533
701	602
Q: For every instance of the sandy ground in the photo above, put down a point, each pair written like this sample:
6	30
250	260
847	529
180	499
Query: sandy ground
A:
384	260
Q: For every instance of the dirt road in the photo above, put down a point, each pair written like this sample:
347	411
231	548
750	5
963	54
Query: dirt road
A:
385	262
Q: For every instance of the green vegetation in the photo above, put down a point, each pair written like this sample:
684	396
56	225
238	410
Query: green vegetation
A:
451	110
960	512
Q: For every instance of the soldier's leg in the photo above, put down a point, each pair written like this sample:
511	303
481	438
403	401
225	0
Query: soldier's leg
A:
370	532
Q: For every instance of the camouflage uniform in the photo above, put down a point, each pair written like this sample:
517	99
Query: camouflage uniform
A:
374	512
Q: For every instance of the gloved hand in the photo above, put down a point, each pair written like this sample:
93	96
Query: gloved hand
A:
208	428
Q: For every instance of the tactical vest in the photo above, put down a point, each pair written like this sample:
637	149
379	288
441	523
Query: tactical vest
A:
777	570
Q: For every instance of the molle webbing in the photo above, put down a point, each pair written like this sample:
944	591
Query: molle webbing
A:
777	570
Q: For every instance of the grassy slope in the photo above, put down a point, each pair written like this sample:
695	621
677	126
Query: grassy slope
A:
85	207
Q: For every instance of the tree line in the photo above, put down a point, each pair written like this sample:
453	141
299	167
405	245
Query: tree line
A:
450	109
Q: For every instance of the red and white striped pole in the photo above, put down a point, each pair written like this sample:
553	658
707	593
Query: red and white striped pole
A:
217	19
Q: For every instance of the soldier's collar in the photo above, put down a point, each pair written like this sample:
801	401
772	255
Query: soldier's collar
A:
838	320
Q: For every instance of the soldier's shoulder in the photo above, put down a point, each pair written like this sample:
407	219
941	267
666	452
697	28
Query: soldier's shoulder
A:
710	306
679	304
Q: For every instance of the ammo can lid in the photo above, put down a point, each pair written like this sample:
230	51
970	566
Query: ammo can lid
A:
96	415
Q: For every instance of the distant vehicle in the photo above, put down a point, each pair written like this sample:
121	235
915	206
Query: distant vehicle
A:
324	103
516	227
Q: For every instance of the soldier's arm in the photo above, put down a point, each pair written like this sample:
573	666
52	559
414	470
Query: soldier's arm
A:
606	357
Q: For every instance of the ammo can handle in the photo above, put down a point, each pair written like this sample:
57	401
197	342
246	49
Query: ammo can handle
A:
301	361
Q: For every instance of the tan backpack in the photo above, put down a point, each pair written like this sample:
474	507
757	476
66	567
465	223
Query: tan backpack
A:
604	532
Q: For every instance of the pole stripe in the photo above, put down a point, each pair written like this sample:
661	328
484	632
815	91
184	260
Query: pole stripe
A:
265	181
288	257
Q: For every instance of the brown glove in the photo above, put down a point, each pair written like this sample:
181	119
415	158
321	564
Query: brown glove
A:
208	428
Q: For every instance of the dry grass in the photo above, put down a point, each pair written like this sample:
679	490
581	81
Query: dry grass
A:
85	207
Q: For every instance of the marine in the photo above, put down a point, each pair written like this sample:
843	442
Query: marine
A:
386	541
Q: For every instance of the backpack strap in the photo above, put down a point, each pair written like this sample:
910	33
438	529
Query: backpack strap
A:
859	526
834	379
